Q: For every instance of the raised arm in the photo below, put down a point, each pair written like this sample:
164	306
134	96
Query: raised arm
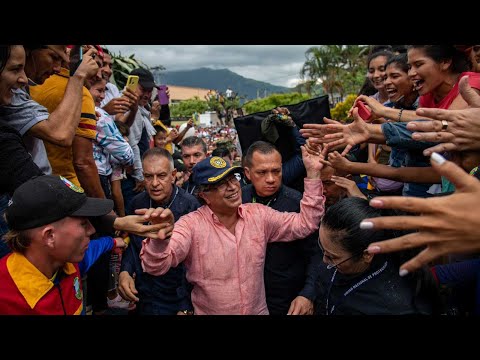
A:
405	174
445	224
289	226
169	250
59	128
335	134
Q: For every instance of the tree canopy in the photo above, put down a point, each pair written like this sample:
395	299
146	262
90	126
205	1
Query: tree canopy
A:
274	101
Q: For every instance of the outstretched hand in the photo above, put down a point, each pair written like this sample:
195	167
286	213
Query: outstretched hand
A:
313	162
160	217
445	225
335	134
463	126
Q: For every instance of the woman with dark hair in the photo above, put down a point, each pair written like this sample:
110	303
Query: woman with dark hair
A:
435	71
354	282
16	164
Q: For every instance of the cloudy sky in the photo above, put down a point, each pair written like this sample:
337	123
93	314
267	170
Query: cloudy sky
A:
275	64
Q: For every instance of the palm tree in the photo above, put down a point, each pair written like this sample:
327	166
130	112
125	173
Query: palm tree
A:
335	66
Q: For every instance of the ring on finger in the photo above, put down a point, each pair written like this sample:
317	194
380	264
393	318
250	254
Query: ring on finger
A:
444	125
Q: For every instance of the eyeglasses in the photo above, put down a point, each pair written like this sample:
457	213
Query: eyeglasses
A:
333	265
222	185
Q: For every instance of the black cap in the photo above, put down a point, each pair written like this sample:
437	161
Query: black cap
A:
46	199
145	78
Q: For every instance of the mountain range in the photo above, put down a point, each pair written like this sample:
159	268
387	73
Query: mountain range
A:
220	79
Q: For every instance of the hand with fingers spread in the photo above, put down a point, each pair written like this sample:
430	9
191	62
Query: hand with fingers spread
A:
336	134
338	161
349	185
313	148
454	129
316	132
446	224
313	163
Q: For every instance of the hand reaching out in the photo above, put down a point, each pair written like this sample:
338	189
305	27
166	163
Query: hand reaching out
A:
338	161
336	134
313	163
463	126
349	185
445	224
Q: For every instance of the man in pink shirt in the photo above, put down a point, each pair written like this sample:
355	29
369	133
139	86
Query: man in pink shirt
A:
223	243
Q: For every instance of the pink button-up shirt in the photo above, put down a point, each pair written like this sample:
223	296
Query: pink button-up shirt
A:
226	270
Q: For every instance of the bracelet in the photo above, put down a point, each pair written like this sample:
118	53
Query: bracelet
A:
400	115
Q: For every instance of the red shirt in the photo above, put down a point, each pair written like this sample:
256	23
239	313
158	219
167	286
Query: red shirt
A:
428	101
24	290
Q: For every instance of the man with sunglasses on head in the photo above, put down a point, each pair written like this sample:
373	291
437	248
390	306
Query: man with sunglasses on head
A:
223	243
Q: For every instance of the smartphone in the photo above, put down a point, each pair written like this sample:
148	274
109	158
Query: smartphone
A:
162	95
363	112
132	82
76	56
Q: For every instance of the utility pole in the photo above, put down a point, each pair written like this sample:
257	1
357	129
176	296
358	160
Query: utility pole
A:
265	92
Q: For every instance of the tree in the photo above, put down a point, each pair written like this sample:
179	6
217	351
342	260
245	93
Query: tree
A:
188	107
274	101
121	68
340	111
336	67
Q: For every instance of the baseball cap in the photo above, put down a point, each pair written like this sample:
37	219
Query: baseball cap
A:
211	170
145	78
46	199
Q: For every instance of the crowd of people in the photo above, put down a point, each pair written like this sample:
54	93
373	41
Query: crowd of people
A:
106	207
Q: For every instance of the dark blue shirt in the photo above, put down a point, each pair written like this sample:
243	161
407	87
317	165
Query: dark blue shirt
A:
168	293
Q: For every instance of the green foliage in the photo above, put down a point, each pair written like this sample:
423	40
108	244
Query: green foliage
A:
339	68
340	111
186	108
122	66
273	101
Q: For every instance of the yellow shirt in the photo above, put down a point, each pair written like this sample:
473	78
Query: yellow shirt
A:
50	94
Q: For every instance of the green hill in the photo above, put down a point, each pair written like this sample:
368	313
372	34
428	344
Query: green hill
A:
220	80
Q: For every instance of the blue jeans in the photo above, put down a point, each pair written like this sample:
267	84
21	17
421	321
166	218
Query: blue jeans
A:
400	139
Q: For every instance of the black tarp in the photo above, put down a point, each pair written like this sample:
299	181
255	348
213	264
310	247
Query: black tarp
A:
309	111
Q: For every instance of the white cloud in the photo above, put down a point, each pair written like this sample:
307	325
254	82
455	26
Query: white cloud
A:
275	64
